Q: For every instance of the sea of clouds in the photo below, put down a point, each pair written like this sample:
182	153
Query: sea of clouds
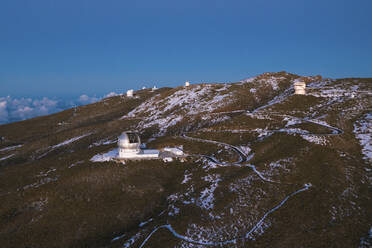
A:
17	109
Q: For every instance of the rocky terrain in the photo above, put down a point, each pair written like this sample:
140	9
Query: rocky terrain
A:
265	168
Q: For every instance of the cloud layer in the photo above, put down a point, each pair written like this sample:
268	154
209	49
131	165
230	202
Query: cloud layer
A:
17	109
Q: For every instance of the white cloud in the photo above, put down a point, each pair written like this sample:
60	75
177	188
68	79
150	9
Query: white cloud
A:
45	102
111	94
17	109
25	108
84	99
3	112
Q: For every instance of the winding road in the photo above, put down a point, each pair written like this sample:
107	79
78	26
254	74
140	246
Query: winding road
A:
244	161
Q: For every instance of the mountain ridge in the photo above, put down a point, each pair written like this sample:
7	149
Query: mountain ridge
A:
265	168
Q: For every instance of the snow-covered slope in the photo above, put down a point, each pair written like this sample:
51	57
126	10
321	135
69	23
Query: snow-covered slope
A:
167	111
187	104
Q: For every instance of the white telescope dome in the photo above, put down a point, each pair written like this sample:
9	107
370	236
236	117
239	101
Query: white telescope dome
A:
129	143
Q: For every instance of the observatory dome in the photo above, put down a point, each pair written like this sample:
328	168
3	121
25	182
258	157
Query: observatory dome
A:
129	142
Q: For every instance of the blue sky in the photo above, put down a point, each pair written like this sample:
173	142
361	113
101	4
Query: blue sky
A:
74	47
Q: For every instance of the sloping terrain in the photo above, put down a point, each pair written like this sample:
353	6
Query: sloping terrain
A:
265	168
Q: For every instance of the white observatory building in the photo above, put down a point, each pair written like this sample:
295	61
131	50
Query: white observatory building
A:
130	93
130	147
187	84
300	88
129	144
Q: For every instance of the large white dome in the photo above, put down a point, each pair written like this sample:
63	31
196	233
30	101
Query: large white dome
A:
129	142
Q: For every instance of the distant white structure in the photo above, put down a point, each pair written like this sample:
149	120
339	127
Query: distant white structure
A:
300	88
130	147
187	83
154	88
143	87
130	93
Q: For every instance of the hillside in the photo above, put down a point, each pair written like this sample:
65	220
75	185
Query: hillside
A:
265	168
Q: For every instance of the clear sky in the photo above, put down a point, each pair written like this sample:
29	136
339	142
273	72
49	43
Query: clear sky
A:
64	47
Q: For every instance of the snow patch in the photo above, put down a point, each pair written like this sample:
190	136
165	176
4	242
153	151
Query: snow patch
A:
103	142
40	182
319	140
272	81
245	149
363	132
132	240
10	148
248	80
173	211
118	237
5	158
145	222
66	142
74	164
206	199
291	121
187	177
105	157
168	111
